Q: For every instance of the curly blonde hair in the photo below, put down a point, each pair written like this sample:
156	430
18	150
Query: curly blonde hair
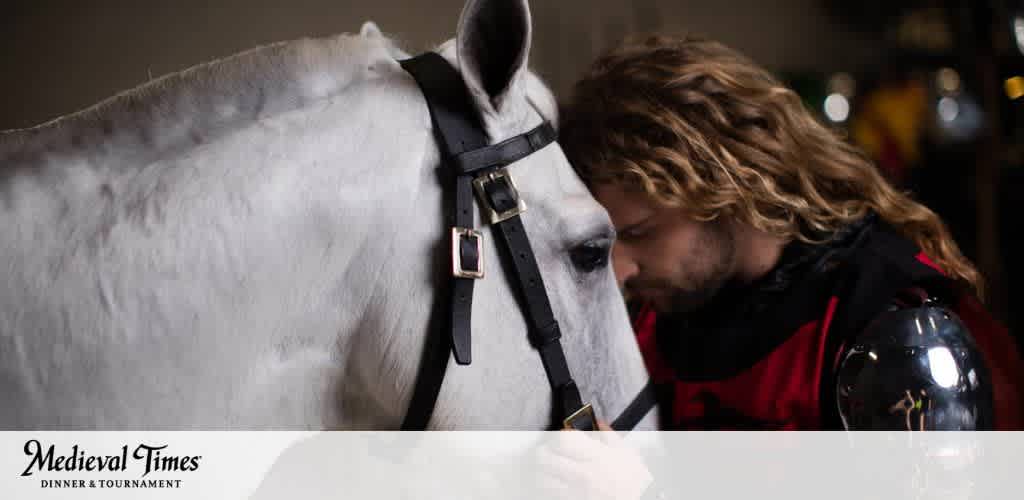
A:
695	124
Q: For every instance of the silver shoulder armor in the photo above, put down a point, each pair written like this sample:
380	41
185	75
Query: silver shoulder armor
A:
914	369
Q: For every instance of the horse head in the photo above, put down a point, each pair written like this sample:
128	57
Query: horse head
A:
263	242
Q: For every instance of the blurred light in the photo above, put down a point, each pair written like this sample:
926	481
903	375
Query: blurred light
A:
1018	31
1014	87
948	109
837	108
943	367
959	118
872	355
842	84
948	81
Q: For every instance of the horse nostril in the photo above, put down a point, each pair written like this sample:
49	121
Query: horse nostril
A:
590	256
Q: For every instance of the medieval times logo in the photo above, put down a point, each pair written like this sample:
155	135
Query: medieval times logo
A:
144	458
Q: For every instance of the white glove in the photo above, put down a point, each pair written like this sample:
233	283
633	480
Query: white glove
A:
592	465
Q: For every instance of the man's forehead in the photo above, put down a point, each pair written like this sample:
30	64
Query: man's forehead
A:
625	203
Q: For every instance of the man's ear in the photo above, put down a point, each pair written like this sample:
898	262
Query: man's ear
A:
493	44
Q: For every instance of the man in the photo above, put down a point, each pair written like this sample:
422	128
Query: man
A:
777	280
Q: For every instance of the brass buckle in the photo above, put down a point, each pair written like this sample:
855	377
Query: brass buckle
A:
493	215
587	410
457	234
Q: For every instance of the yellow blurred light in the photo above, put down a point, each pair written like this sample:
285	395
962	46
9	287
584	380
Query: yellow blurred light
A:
842	84
948	80
1014	87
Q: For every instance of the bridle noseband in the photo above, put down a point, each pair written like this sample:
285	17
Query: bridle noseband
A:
482	168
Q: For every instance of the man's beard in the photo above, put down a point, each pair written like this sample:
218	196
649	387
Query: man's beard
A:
688	301
670	297
690	291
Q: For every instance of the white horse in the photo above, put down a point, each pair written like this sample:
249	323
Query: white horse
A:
257	242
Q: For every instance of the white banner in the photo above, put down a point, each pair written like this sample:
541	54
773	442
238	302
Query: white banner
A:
506	465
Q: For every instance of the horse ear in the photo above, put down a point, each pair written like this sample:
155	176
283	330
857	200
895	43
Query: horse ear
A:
370	29
493	43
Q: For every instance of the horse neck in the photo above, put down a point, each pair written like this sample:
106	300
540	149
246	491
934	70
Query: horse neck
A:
179	112
297	226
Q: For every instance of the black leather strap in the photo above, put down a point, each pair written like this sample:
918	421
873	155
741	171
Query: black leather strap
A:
465	150
637	409
457	132
505	152
464	146
544	330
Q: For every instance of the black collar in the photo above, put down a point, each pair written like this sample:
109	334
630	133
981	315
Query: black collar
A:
743	323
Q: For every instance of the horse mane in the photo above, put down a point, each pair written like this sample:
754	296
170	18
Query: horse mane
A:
184	109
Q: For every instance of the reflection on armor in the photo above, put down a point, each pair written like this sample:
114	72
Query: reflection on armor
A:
915	369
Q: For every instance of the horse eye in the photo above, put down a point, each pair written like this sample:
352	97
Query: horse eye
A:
591	255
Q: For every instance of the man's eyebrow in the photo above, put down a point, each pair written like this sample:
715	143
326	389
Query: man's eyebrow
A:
634	225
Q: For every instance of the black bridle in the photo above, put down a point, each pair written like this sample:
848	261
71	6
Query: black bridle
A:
482	167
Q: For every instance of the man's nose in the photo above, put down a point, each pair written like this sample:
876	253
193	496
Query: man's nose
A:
623	263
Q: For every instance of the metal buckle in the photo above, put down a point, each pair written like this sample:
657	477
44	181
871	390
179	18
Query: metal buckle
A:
457	234
587	410
493	215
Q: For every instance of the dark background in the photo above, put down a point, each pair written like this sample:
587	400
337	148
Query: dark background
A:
957	147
